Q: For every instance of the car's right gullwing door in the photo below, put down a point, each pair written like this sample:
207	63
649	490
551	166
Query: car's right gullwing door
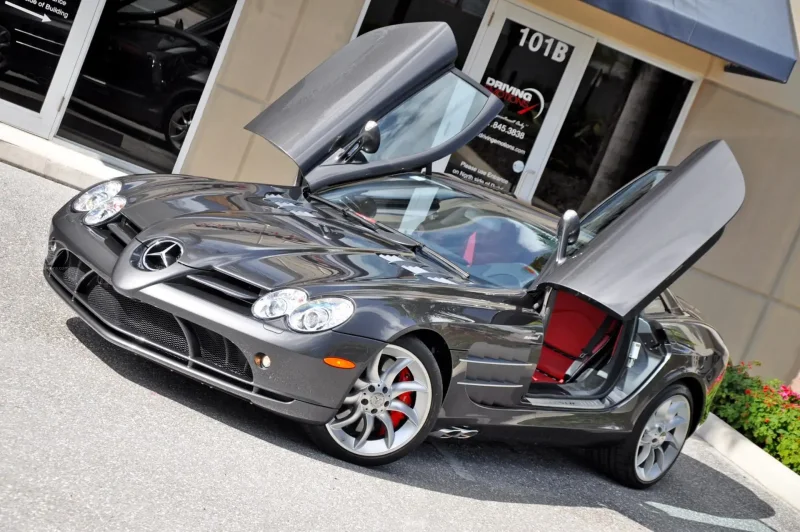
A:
653	241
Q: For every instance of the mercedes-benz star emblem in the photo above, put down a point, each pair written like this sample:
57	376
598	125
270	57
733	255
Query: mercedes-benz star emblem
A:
161	254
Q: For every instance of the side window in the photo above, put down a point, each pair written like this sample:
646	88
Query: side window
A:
615	205
656	306
428	118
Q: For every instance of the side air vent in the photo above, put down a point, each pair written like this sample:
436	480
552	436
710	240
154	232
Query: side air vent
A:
69	269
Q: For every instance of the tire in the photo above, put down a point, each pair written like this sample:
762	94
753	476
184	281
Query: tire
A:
177	120
342	442
619	461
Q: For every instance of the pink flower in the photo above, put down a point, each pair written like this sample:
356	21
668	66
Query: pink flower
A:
788	394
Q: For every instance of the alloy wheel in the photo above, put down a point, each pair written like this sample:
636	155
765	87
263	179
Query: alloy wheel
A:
179	124
662	438
386	407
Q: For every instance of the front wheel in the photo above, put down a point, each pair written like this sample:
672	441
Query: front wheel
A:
179	119
389	411
655	444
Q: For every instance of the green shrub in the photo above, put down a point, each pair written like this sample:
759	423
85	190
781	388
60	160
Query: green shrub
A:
768	414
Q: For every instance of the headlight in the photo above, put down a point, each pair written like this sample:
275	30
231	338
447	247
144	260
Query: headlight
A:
95	197
278	303
105	211
321	314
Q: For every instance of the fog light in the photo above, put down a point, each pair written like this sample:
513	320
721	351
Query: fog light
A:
52	247
262	360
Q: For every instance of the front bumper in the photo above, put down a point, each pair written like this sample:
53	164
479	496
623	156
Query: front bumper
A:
200	335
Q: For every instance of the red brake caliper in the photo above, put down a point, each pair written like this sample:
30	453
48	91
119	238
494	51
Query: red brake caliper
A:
397	417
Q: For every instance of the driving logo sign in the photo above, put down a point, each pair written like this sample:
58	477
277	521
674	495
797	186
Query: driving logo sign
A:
528	99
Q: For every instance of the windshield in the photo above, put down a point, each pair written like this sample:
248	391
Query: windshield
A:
492	243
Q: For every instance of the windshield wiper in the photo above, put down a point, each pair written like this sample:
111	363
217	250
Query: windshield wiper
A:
404	240
347	211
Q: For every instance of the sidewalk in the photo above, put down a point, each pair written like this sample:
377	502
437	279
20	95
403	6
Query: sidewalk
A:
55	160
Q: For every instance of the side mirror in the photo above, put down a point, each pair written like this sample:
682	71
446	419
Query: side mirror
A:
370	137
367	141
569	227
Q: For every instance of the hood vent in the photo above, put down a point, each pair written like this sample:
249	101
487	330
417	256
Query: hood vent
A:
226	285
118	233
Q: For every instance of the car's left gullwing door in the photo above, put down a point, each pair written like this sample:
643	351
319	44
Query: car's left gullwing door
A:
402	77
642	249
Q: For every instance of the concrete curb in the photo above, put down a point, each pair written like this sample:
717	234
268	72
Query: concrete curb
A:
43	167
48	159
775	477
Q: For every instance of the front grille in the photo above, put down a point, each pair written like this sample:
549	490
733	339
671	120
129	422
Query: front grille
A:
139	318
218	351
178	338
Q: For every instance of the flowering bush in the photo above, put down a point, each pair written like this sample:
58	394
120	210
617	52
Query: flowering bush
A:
768	414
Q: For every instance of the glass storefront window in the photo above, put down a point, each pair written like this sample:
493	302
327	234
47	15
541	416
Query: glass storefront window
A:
32	39
616	128
142	78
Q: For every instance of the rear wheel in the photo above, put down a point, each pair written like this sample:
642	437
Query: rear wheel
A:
390	409
654	445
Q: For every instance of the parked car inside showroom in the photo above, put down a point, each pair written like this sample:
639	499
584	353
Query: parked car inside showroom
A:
141	66
379	303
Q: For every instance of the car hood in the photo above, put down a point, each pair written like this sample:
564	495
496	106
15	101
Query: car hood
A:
266	236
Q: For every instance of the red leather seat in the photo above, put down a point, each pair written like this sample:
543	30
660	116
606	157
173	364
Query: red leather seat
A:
571	333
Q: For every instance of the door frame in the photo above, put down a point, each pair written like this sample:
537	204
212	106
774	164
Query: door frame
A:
209	86
600	38
44	122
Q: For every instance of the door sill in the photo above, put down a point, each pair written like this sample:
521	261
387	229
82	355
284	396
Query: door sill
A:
571	403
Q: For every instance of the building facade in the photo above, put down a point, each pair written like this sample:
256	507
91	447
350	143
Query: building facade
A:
592	100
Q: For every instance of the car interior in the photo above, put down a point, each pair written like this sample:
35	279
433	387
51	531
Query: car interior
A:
580	341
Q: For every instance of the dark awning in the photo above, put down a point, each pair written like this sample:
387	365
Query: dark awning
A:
757	35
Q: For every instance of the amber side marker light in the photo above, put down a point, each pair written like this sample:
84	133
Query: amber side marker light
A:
340	363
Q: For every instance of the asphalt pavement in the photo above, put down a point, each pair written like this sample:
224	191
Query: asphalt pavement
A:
94	438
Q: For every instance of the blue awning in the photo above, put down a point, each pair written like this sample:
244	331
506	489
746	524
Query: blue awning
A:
754	35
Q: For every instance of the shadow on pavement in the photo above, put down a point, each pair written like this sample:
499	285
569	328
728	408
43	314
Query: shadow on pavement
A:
491	471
